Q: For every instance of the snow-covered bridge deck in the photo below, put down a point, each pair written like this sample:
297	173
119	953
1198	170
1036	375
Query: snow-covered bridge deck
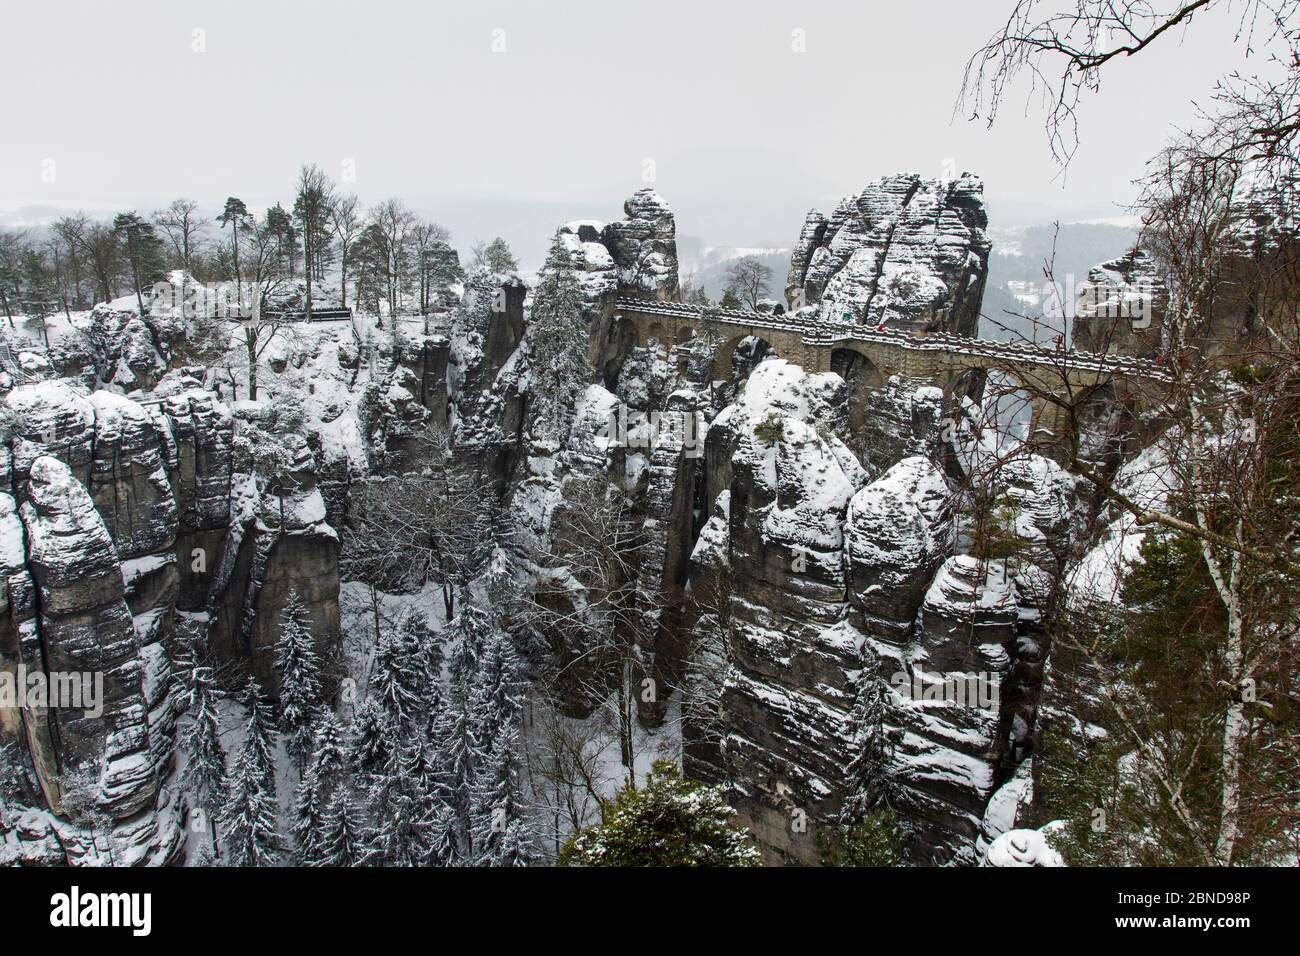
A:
823	335
937	358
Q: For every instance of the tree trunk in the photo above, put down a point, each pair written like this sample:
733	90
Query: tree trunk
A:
306	253
234	245
1234	732
76	278
252	367
135	278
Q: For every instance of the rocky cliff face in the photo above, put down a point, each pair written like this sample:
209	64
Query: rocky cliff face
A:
1120	309
813	554
907	252
840	588
118	517
644	245
486	397
803	551
68	614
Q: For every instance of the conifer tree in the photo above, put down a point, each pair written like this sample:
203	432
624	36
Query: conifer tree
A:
309	805
204	777
443	848
870	768
459	751
143	251
250	816
468	632
424	658
498	689
258	734
372	741
391	683
501	836
203	858
402	810
299	668
329	760
342	841
558	341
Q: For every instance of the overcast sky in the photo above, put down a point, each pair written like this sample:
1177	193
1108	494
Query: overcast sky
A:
133	108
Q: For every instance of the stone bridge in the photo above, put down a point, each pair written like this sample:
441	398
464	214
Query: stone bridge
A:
953	363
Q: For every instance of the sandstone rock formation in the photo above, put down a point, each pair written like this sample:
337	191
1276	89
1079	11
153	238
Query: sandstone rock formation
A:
906	252
118	518
1120	309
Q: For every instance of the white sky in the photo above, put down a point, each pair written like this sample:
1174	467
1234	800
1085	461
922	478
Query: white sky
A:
745	134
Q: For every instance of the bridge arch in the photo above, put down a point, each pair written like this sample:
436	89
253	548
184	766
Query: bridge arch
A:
735	359
857	368
1057	381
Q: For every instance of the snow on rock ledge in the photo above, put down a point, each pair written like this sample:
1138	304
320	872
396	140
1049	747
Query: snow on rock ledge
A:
86	626
1022	848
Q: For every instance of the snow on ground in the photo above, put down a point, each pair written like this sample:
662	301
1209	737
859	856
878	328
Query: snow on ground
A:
357	622
1096	579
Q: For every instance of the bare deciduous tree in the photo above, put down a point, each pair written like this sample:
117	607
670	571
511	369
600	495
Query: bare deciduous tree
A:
749	280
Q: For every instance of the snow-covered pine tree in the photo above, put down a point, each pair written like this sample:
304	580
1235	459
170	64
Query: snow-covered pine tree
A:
423	653
204	777
342	840
329	760
402	812
467	634
501	835
203	858
299	667
443	849
869	770
558	341
459	752
391	683
417	766
309	805
497	694
496	703
373	740
259	733
867	833
250	815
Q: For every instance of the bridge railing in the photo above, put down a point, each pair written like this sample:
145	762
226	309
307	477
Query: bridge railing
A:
828	333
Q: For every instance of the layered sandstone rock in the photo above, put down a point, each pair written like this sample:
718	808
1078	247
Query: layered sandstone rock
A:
1120	308
122	514
789	689
131	352
86	627
484	377
906	252
200	433
644	245
279	542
